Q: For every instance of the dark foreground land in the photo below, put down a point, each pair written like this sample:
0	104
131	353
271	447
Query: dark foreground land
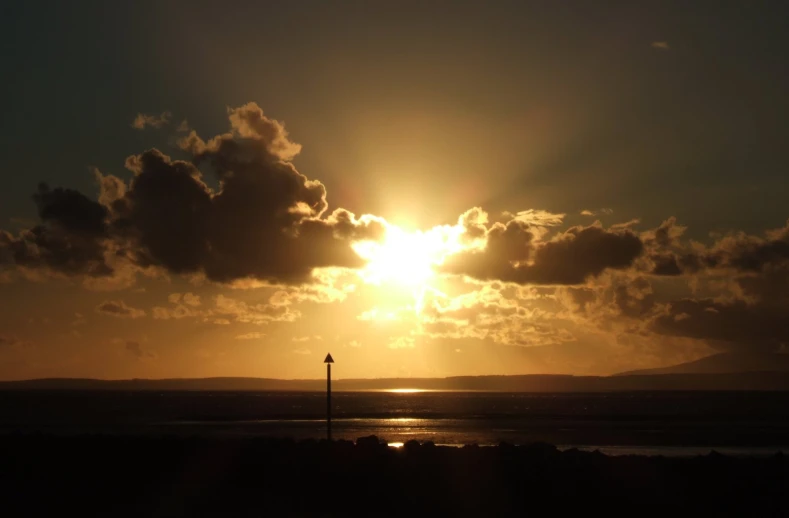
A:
175	476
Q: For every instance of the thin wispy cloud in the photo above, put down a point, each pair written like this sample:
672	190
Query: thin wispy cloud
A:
250	336
660	45
144	120
118	308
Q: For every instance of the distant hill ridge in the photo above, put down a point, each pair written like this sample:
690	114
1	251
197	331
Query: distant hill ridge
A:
757	380
723	363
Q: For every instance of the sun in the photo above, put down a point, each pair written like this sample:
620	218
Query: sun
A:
401	258
407	259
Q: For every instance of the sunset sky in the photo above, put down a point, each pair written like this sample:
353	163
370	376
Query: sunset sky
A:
195	189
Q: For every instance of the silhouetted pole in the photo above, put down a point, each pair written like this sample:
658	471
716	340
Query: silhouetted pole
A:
328	361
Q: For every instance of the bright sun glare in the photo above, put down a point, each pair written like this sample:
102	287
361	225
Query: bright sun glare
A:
407	258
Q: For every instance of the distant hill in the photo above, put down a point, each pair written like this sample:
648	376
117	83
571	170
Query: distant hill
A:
767	379
723	363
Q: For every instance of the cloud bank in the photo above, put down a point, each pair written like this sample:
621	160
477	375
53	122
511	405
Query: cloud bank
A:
237	212
265	221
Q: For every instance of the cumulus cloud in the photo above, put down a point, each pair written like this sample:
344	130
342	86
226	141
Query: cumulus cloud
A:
118	308
143	120
266	221
735	253
70	239
257	221
514	252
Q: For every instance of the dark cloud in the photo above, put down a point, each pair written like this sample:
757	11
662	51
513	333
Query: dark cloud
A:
164	213
725	325
70	240
71	211
514	254
265	221
583	252
118	308
733	253
748	253
769	288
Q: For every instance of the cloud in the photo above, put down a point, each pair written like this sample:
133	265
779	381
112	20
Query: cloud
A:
143	120
587	212
734	325
302	351
258	314
266	221
118	308
250	336
177	312
191	299
746	253
537	217
225	310
69	241
733	253
494	312
660	45
514	252
138	351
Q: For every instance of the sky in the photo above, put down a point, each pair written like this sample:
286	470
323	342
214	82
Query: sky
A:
196	189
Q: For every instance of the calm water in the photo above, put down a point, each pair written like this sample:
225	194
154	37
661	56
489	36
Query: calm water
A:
667	423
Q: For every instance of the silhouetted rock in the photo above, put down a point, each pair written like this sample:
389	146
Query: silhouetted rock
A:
44	475
411	446
370	441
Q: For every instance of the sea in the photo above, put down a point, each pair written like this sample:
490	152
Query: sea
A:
621	423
